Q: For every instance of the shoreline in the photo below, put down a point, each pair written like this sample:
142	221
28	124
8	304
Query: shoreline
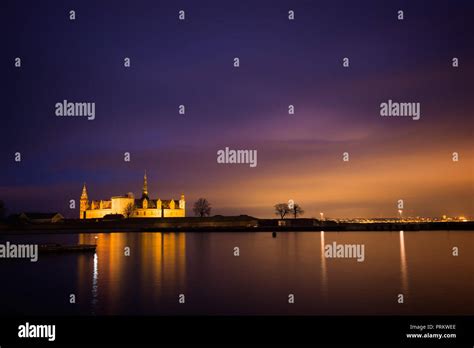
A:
225	224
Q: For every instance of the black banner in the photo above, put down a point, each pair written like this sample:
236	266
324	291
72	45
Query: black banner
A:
288	330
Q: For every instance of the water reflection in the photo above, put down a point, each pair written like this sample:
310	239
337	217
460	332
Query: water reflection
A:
95	283
202	266
403	264
324	281
163	261
156	268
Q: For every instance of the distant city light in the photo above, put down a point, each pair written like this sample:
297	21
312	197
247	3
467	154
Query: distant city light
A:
408	219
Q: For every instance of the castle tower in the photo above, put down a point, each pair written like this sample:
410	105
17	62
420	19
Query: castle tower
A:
182	202
84	203
145	187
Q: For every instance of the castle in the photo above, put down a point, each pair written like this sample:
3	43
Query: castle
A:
128	206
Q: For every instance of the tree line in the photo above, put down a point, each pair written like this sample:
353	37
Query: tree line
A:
284	209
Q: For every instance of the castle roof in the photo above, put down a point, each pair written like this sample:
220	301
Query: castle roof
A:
152	203
166	203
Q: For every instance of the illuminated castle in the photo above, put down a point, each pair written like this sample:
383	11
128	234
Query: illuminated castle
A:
128	206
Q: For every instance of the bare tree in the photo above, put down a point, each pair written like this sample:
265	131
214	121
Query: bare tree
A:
129	209
202	207
281	209
296	211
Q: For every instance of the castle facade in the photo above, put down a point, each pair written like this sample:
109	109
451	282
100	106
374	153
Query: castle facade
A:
128	206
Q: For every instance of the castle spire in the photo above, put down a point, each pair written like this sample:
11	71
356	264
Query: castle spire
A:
145	186
84	192
84	203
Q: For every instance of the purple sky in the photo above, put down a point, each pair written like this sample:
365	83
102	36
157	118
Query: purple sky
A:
282	62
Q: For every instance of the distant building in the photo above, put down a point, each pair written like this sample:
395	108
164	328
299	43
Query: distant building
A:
41	217
128	206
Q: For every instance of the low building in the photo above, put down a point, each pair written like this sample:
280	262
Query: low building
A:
41	217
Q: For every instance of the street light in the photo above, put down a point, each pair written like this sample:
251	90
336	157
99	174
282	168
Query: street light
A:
322	216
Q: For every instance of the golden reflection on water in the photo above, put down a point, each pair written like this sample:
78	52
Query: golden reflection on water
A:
161	264
403	264
324	270
95	283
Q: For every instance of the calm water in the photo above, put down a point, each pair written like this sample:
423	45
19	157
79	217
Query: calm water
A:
203	267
